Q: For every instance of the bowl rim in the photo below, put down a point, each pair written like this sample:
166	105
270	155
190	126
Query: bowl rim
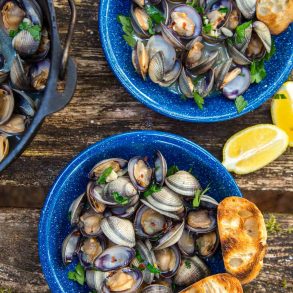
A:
131	88
52	199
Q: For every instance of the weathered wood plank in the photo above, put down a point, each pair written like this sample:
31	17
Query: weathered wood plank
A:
101	107
20	269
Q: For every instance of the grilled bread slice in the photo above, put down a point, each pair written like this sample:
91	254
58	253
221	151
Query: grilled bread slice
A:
276	14
223	283
243	237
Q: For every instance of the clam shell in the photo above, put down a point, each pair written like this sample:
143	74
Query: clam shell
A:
119	231
184	183
156	288
156	68
247	7
25	44
14	126
161	168
90	223
70	246
75	209
6	104
194	271
264	34
4	147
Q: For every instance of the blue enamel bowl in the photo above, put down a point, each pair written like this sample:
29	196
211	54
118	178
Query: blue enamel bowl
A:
216	107
54	224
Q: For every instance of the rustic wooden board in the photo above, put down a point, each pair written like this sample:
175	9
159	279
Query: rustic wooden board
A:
101	107
20	270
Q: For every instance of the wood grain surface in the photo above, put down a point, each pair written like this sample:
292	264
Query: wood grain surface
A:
101	107
21	272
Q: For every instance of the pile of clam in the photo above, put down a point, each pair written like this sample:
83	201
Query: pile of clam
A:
135	229
24	66
195	52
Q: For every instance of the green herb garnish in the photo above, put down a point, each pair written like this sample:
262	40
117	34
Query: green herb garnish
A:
272	225
240	104
78	275
188	264
197	196
139	257
223	10
279	97
207	28
172	170
127	28
142	266
152	269
105	174
152	189
257	71
194	4
155	14
240	31
123	200
33	29
151	29
199	100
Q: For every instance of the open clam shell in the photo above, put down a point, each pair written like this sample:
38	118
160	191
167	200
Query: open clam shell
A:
70	246
119	231
95	279
75	209
4	147
6	104
90	223
207	244
161	168
94	202
23	103
186	243
15	125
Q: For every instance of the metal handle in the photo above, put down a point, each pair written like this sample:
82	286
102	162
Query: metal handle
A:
68	39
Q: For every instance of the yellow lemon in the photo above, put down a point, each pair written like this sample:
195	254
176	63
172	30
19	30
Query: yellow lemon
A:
253	148
282	109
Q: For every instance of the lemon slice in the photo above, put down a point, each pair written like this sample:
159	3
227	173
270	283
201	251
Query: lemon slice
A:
253	148
282	109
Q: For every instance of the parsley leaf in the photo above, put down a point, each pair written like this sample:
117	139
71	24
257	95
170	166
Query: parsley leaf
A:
223	10
33	29
138	256
207	28
78	275
197	196
240	31
155	14
151	29
172	170
127	28
199	100
152	269
195	5
188	264
123	200
257	71
279	97
105	174
240	103
149	266
152	189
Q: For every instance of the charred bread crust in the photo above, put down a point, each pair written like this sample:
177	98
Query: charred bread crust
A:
223	283
276	14
243	237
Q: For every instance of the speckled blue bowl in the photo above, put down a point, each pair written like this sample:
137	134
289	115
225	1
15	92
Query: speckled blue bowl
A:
217	107
54	224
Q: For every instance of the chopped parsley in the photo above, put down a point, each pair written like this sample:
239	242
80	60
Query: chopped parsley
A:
199	100
188	264
152	268
240	104
155	14
194	4
197	196
207	28
279	97
104	175
257	71
240	31
123	200
223	10
151	29
33	29
152	189
172	170
127	28
78	275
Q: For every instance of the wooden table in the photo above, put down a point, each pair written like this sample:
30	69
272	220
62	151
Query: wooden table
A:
101	107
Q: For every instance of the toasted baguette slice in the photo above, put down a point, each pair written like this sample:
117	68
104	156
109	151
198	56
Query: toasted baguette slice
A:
276	14
243	237
223	283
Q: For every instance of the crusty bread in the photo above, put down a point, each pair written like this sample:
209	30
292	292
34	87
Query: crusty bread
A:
276	14
243	237
223	283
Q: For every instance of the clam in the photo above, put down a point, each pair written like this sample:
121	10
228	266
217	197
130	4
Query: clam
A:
186	243
4	147
118	166
126	211
95	279
39	73
171	77
160	168
6	104
186	84
171	237
168	260
156	68
33	11
15	125
126	280
157	288
247	7
3	72
140	59
19	74
221	70
90	223
119	231
234	18
237	56
43	48
12	15
149	223
264	34
70	246
140	173
114	258
205	84
23	103
140	21
75	209
206	244
201	220
238	85
183	183
90	249
190	270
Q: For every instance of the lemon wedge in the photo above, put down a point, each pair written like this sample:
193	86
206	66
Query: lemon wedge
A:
282	109
253	148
